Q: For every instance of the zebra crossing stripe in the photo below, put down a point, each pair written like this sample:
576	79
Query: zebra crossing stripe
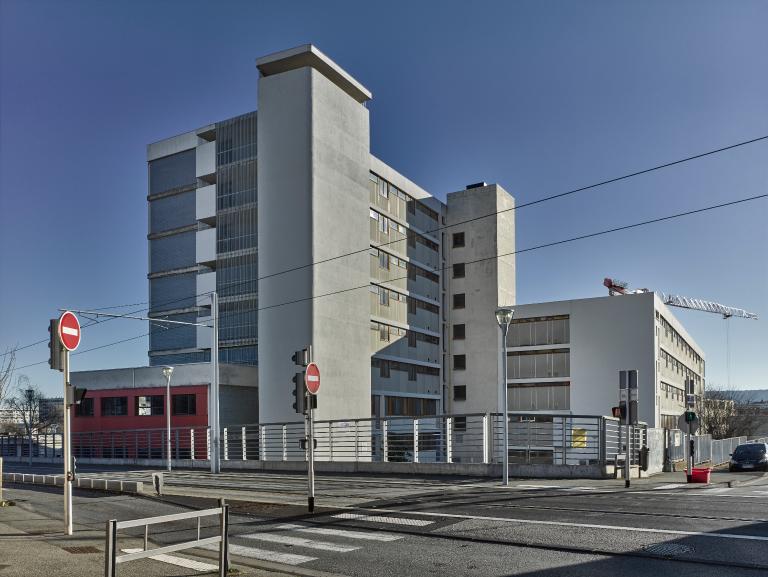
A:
382	519
368	535
299	542
670	486
263	554
180	561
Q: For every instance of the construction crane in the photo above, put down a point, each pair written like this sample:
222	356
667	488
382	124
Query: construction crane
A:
617	287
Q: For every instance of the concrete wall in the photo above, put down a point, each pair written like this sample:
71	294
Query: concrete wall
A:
487	285
313	139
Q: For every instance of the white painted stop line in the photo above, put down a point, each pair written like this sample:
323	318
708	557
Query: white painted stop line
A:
69	331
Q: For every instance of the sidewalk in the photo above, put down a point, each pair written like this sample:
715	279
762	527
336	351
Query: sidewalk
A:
32	542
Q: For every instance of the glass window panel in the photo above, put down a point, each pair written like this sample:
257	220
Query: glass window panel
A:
174	171
172	212
172	252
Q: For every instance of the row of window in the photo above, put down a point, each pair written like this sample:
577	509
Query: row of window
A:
539	364
385	295
678	340
410	406
386	367
553	330
387	260
531	396
672	392
678	367
386	189
385	223
387	332
144	406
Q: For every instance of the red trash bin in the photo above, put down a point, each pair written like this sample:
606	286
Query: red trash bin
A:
700	475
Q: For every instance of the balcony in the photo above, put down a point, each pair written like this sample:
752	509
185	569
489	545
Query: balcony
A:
205	204
205	247
205	164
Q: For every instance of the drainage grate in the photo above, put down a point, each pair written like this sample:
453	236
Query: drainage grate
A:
81	550
668	549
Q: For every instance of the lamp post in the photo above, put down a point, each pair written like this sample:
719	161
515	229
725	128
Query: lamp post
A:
167	372
504	317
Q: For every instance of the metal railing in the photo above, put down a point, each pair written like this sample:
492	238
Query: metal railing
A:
112	559
705	448
473	438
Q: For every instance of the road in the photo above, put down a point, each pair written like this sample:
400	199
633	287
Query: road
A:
476	528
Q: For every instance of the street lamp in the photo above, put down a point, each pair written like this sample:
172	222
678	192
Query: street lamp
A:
504	317
167	372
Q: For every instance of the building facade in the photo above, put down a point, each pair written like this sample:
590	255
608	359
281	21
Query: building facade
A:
565	357
387	283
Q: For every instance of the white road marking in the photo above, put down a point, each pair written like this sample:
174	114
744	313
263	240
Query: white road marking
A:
580	525
539	486
263	554
596	489
180	561
381	519
670	486
368	536
299	542
715	490
69	331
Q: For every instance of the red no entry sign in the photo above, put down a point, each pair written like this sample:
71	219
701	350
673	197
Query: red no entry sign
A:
312	379
69	331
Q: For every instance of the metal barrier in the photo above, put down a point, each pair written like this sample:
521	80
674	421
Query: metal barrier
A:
112	559
473	438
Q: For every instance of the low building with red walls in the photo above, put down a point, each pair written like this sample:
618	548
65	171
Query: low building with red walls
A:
124	413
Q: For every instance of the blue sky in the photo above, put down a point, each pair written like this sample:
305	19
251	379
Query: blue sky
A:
541	97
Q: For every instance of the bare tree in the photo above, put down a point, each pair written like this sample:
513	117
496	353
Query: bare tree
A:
727	413
7	364
29	404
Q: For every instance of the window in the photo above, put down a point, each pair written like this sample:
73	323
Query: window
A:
459	332
458	270
459	423
539	364
85	408
114	406
384	225
411	339
383	297
459	362
539	397
383	333
383	260
384	370
458	239
147	406
411	306
411	204
459	301
411	372
460	393
184	405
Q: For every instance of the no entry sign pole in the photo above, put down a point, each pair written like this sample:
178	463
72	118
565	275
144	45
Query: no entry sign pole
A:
69	336
312	384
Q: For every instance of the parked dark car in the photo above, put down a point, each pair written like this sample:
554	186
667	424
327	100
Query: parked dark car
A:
749	457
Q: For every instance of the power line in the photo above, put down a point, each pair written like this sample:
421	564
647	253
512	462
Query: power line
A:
438	229
515	252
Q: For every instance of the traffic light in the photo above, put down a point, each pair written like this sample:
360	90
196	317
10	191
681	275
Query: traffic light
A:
75	395
56	349
690	416
301	357
620	412
299	393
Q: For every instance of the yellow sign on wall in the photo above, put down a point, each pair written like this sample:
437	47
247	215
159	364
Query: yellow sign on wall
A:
579	439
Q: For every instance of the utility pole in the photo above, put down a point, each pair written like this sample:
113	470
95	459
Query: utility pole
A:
215	449
67	441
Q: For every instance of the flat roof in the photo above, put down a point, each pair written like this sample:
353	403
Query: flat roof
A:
309	55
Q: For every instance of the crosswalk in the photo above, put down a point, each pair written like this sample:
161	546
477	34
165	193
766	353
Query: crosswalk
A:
272	543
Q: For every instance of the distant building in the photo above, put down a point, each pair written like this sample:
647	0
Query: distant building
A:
565	357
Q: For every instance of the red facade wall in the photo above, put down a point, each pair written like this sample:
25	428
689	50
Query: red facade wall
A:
131	421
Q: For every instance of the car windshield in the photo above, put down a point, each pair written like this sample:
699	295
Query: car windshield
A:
756	450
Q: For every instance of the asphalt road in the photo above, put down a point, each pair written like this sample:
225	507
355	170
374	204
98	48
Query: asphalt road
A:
474	528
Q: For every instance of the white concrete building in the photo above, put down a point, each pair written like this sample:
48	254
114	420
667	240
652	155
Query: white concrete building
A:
565	357
392	288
